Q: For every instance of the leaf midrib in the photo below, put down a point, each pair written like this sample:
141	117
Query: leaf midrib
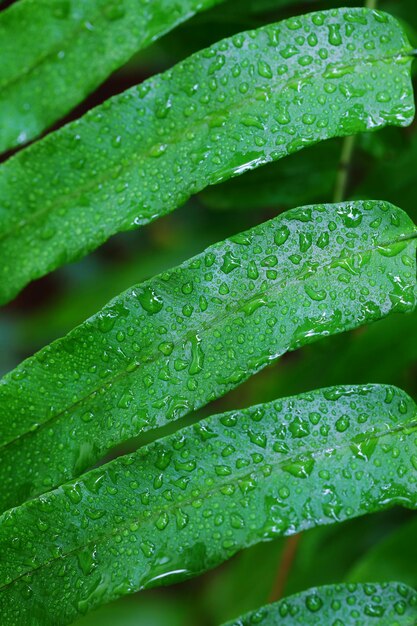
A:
239	475
222	315
173	139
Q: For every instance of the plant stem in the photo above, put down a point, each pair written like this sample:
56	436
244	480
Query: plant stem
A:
288	555
343	171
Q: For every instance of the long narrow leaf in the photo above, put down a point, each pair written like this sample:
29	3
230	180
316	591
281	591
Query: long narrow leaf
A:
188	502
55	53
176	342
246	101
389	604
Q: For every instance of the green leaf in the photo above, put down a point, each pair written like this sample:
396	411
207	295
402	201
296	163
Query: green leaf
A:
389	604
188	502
186	337
395	555
246	101
56	52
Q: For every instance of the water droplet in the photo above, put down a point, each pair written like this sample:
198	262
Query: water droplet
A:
335	38
197	356
150	301
230	262
301	467
264	69
87	560
314	603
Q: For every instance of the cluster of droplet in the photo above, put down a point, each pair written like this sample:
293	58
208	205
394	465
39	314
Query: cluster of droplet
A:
188	336
247	100
189	501
392	604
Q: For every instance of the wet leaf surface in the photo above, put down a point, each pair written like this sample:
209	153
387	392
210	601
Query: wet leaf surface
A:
246	101
189	501
174	343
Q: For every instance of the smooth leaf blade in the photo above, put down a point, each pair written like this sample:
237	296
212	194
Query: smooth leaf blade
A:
244	102
55	53
189	501
388	604
186	337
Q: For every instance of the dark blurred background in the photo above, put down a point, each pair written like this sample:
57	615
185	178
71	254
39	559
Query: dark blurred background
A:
383	166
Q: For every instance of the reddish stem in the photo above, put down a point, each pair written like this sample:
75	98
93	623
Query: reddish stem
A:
287	559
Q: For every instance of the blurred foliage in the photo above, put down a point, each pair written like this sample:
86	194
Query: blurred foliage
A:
393	557
378	547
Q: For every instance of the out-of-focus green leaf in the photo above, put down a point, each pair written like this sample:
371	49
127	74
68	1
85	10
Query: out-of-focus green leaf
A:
234	589
186	337
56	52
189	501
394	176
244	102
394	556
325	555
404	10
390	604
261	6
254	6
144	611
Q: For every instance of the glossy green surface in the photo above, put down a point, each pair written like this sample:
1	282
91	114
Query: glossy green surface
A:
389	604
56	52
190	501
186	337
246	101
